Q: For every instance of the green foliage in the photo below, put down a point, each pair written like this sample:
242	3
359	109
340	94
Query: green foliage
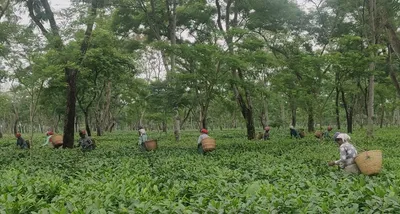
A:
241	176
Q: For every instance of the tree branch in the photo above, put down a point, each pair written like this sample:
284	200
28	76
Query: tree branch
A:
3	10
29	3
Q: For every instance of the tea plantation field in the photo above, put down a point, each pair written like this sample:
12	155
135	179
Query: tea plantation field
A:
277	176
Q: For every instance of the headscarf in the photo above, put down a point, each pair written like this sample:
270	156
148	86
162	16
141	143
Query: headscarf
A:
49	133
291	127
345	137
204	131
335	136
82	132
267	128
142	131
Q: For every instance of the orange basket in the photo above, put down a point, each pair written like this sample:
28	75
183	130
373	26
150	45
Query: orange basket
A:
318	134
150	145
208	144
56	140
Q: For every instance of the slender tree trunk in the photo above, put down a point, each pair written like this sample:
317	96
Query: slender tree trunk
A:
392	73
382	115
311	119
177	126
57	123
294	116
349	114
164	126
87	126
370	121
373	39
282	111
337	108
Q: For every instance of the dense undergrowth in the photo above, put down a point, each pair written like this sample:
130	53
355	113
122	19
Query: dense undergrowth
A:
282	175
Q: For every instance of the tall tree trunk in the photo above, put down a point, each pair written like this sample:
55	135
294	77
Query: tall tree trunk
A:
57	123
349	114
177	126
310	119
16	126
373	27
294	115
382	115
370	121
337	108
87	126
392	73
282	111
164	126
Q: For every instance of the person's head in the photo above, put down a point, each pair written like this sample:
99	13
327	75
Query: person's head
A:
82	133
342	138
18	135
142	131
329	128
335	136
49	133
204	131
291	127
267	128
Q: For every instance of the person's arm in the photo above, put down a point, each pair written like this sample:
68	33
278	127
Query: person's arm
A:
140	140
342	156
46	141
199	140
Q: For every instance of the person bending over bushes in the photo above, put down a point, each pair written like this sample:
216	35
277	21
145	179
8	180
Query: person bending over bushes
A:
85	141
21	143
142	138
203	135
348	154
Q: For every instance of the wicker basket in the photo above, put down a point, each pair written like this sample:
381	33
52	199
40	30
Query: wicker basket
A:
56	140
150	145
318	134
208	144
302	134
369	162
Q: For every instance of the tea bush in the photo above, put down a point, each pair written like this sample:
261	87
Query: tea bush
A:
282	175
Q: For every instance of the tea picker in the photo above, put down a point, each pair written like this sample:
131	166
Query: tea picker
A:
85	141
205	143
295	133
348	154
266	133
21	143
325	135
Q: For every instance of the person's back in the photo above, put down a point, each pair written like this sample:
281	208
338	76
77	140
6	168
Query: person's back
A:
293	132
21	143
203	135
85	141
266	133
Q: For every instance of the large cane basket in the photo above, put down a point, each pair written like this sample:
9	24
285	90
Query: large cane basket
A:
150	145
56	140
208	144
369	162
